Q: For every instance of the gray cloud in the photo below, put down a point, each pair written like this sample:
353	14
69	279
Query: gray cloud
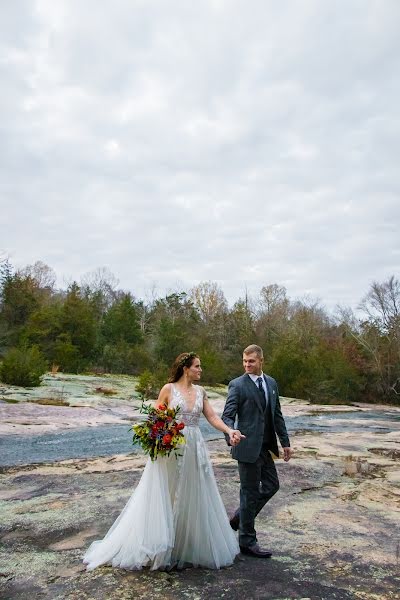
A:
247	144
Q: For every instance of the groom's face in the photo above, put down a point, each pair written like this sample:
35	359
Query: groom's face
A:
252	363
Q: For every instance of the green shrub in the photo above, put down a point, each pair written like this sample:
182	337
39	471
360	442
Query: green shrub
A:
213	367
145	385
123	358
67	355
23	366
150	383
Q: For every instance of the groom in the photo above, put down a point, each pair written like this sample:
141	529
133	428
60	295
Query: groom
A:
253	400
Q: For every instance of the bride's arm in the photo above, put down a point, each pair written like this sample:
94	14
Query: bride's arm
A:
163	396
234	434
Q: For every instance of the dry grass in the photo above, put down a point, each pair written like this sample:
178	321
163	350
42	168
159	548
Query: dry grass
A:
105	391
50	401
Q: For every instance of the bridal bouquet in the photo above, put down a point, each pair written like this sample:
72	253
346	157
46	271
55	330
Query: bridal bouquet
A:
160	433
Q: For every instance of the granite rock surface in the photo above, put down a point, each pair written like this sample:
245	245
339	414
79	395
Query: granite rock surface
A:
333	527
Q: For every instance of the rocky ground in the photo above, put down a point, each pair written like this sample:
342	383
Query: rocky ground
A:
333	526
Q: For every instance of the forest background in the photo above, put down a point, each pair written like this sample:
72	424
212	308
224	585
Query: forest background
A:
92	326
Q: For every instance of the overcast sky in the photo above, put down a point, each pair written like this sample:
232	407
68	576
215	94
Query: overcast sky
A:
243	142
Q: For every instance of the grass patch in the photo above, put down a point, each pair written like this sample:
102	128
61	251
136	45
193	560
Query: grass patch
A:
50	401
10	400
106	391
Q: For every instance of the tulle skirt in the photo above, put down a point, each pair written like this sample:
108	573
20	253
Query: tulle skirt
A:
175	517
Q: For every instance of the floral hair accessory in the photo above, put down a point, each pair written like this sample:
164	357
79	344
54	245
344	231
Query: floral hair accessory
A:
188	356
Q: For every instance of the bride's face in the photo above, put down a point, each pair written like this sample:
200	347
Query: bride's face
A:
194	371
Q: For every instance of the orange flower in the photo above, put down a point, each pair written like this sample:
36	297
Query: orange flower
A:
167	439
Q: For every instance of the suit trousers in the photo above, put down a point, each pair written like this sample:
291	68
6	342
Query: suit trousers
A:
258	483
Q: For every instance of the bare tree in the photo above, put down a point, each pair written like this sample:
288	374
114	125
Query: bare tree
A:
357	329
209	299
101	281
272	311
379	334
272	296
382	304
44	276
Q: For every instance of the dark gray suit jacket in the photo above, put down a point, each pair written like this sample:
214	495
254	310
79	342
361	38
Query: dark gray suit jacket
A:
243	403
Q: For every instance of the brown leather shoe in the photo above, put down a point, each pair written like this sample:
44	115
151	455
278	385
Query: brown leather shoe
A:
234	522
256	551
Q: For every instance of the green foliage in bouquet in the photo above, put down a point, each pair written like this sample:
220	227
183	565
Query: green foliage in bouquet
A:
160	433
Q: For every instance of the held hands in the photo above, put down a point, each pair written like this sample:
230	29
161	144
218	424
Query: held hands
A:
235	436
287	454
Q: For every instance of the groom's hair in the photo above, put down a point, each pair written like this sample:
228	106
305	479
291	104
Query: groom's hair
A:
254	348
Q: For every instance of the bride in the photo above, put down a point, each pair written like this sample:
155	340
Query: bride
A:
175	516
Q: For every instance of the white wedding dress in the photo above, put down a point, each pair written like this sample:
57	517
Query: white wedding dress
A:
175	515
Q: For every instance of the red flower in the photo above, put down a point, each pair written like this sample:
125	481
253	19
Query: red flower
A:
161	433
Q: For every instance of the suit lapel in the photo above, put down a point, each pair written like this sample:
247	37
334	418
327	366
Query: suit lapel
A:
271	395
253	391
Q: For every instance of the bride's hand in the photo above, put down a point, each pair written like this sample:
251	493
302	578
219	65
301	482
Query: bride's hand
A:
235	436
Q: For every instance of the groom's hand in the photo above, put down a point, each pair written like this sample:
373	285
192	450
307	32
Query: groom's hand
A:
235	436
287	454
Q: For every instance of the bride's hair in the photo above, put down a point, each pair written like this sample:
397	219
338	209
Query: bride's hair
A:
183	360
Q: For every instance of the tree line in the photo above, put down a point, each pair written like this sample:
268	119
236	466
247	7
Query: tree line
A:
95	326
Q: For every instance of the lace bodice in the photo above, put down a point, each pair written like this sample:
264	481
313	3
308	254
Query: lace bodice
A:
189	417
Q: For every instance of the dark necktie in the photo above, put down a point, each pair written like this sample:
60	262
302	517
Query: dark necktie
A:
261	388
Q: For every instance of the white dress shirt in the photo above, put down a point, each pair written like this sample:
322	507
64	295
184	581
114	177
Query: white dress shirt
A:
254	378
